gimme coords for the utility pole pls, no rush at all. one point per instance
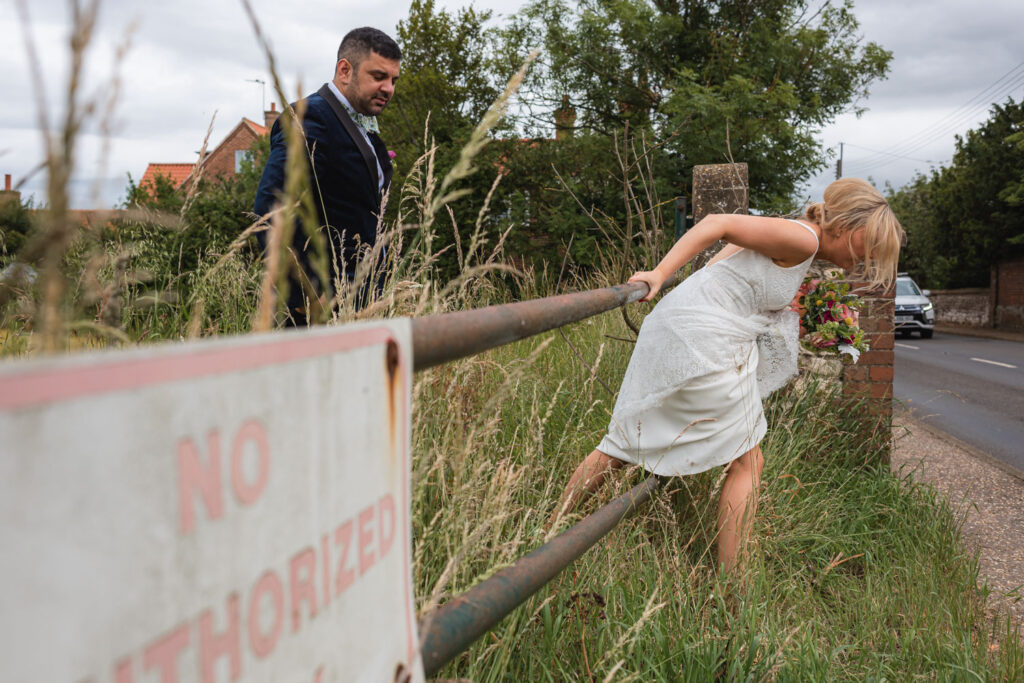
(839, 162)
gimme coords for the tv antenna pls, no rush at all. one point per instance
(263, 92)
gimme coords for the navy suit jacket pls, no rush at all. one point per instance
(344, 179)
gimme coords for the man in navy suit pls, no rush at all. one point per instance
(350, 168)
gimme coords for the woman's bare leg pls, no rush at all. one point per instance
(586, 480)
(737, 507)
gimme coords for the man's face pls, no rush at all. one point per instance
(368, 89)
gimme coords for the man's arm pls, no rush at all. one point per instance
(272, 179)
(315, 145)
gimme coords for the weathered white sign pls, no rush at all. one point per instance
(218, 511)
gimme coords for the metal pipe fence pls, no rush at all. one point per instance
(437, 339)
(452, 628)
(445, 337)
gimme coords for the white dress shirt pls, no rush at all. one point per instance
(366, 136)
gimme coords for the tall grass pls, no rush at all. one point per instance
(852, 573)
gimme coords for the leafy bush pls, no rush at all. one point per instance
(15, 227)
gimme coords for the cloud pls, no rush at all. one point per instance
(192, 58)
(948, 57)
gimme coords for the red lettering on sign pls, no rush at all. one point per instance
(366, 558)
(263, 644)
(192, 476)
(254, 433)
(123, 672)
(302, 571)
(163, 654)
(212, 646)
(325, 560)
(345, 576)
(372, 530)
(196, 480)
(385, 530)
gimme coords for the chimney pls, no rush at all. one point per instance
(270, 116)
(565, 119)
(9, 195)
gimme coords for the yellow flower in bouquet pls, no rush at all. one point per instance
(829, 318)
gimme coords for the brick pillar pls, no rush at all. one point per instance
(565, 119)
(718, 188)
(870, 380)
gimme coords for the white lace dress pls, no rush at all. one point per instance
(705, 357)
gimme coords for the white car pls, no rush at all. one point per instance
(914, 311)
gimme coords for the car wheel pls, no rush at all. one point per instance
(927, 334)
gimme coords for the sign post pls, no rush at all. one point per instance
(218, 511)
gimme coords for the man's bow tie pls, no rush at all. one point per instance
(367, 123)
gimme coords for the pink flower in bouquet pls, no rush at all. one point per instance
(847, 315)
(807, 287)
(829, 320)
(817, 341)
(392, 154)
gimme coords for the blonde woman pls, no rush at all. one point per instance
(723, 339)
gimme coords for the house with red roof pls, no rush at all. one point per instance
(177, 173)
(223, 162)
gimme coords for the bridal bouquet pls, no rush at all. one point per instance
(828, 319)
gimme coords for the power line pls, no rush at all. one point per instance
(969, 109)
(966, 112)
(882, 159)
(888, 154)
(877, 160)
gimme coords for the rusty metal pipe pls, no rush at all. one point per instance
(453, 627)
(444, 337)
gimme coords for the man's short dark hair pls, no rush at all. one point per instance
(358, 43)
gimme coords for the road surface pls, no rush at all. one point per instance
(970, 387)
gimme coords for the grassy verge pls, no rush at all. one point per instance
(853, 574)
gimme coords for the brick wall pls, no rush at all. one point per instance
(1008, 283)
(222, 161)
(1001, 305)
(872, 376)
(962, 307)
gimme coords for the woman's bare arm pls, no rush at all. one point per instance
(725, 252)
(782, 240)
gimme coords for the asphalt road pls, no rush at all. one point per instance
(969, 387)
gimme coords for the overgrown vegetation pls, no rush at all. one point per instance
(853, 573)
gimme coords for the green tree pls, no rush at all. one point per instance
(716, 79)
(1013, 193)
(448, 82)
(210, 217)
(15, 226)
(965, 217)
(446, 75)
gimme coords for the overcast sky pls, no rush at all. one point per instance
(191, 58)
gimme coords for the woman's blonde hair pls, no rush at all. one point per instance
(853, 204)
